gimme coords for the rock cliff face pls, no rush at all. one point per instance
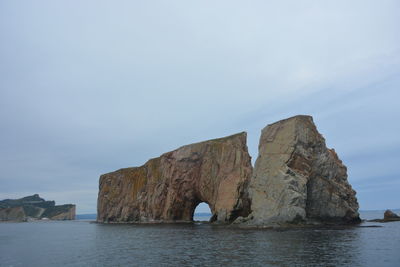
(297, 179)
(60, 212)
(34, 207)
(169, 188)
(15, 214)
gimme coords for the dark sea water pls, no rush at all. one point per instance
(81, 243)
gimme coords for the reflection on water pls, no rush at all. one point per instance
(82, 243)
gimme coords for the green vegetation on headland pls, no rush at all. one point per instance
(34, 208)
(56, 210)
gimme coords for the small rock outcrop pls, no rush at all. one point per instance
(34, 207)
(390, 215)
(168, 188)
(296, 180)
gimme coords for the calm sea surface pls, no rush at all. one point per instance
(81, 243)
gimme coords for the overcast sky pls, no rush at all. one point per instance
(88, 87)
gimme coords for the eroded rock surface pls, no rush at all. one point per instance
(297, 179)
(168, 188)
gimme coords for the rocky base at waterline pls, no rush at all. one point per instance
(388, 216)
(34, 208)
(297, 180)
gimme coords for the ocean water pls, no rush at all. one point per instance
(82, 243)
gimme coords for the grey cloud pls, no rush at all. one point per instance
(89, 87)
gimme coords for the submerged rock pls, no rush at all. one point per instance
(296, 180)
(34, 207)
(168, 188)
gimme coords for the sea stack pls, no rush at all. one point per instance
(297, 180)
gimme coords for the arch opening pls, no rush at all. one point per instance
(202, 212)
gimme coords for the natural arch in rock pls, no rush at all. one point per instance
(296, 179)
(200, 210)
(169, 188)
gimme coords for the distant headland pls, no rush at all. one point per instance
(34, 208)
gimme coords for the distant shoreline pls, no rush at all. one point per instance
(365, 214)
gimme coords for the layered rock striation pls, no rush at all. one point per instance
(296, 180)
(34, 207)
(168, 188)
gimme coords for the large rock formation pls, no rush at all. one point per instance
(34, 207)
(169, 188)
(296, 179)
